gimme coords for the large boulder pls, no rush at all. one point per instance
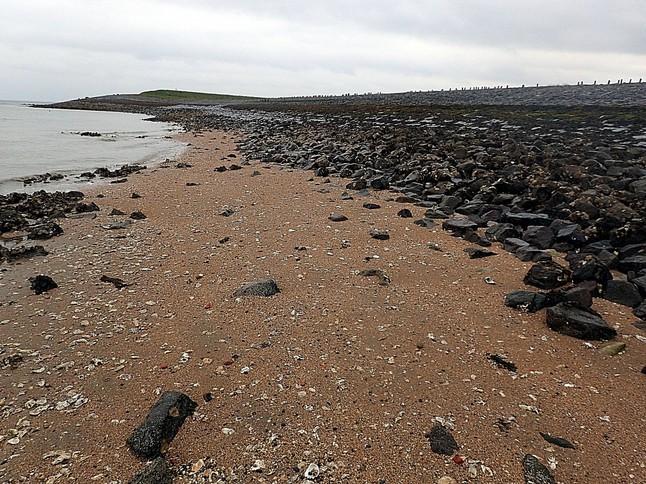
(161, 425)
(579, 323)
(547, 275)
(622, 292)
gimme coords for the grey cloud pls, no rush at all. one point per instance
(71, 47)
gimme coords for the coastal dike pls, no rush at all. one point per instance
(337, 291)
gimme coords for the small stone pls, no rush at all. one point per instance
(405, 213)
(578, 323)
(156, 472)
(137, 215)
(535, 472)
(42, 283)
(261, 288)
(371, 206)
(557, 441)
(379, 234)
(441, 440)
(613, 349)
(337, 217)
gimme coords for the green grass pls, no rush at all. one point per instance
(171, 95)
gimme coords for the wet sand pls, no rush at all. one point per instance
(335, 370)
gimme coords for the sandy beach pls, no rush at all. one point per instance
(336, 370)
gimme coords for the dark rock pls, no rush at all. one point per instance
(135, 195)
(502, 362)
(578, 323)
(379, 234)
(500, 232)
(379, 183)
(82, 207)
(590, 268)
(459, 226)
(155, 472)
(260, 288)
(220, 169)
(371, 206)
(475, 238)
(322, 171)
(477, 253)
(115, 281)
(622, 292)
(11, 220)
(640, 311)
(579, 295)
(137, 215)
(512, 244)
(635, 263)
(21, 252)
(116, 212)
(41, 284)
(527, 253)
(405, 213)
(441, 440)
(526, 301)
(535, 472)
(640, 282)
(44, 231)
(337, 217)
(539, 236)
(557, 441)
(357, 185)
(384, 280)
(234, 167)
(165, 418)
(424, 222)
(525, 219)
(227, 212)
(547, 275)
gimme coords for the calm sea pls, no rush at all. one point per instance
(34, 141)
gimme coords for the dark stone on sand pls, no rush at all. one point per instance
(220, 169)
(42, 283)
(115, 281)
(21, 252)
(459, 226)
(165, 418)
(441, 440)
(383, 278)
(371, 206)
(155, 472)
(137, 215)
(622, 292)
(477, 253)
(528, 253)
(526, 301)
(547, 275)
(640, 311)
(590, 268)
(379, 234)
(405, 213)
(234, 167)
(135, 195)
(44, 231)
(539, 236)
(83, 207)
(425, 222)
(502, 362)
(337, 217)
(635, 263)
(500, 232)
(357, 185)
(512, 244)
(346, 196)
(116, 212)
(535, 471)
(566, 444)
(579, 323)
(183, 164)
(260, 288)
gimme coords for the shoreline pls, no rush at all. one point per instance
(336, 370)
(72, 179)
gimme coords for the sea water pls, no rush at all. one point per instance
(34, 141)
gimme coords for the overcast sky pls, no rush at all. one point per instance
(59, 49)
